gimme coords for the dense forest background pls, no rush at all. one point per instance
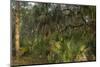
(52, 33)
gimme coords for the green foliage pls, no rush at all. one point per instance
(57, 33)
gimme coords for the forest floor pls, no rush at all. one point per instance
(28, 60)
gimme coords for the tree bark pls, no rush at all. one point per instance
(17, 45)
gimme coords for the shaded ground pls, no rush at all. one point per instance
(28, 60)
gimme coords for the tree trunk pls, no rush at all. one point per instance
(17, 45)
